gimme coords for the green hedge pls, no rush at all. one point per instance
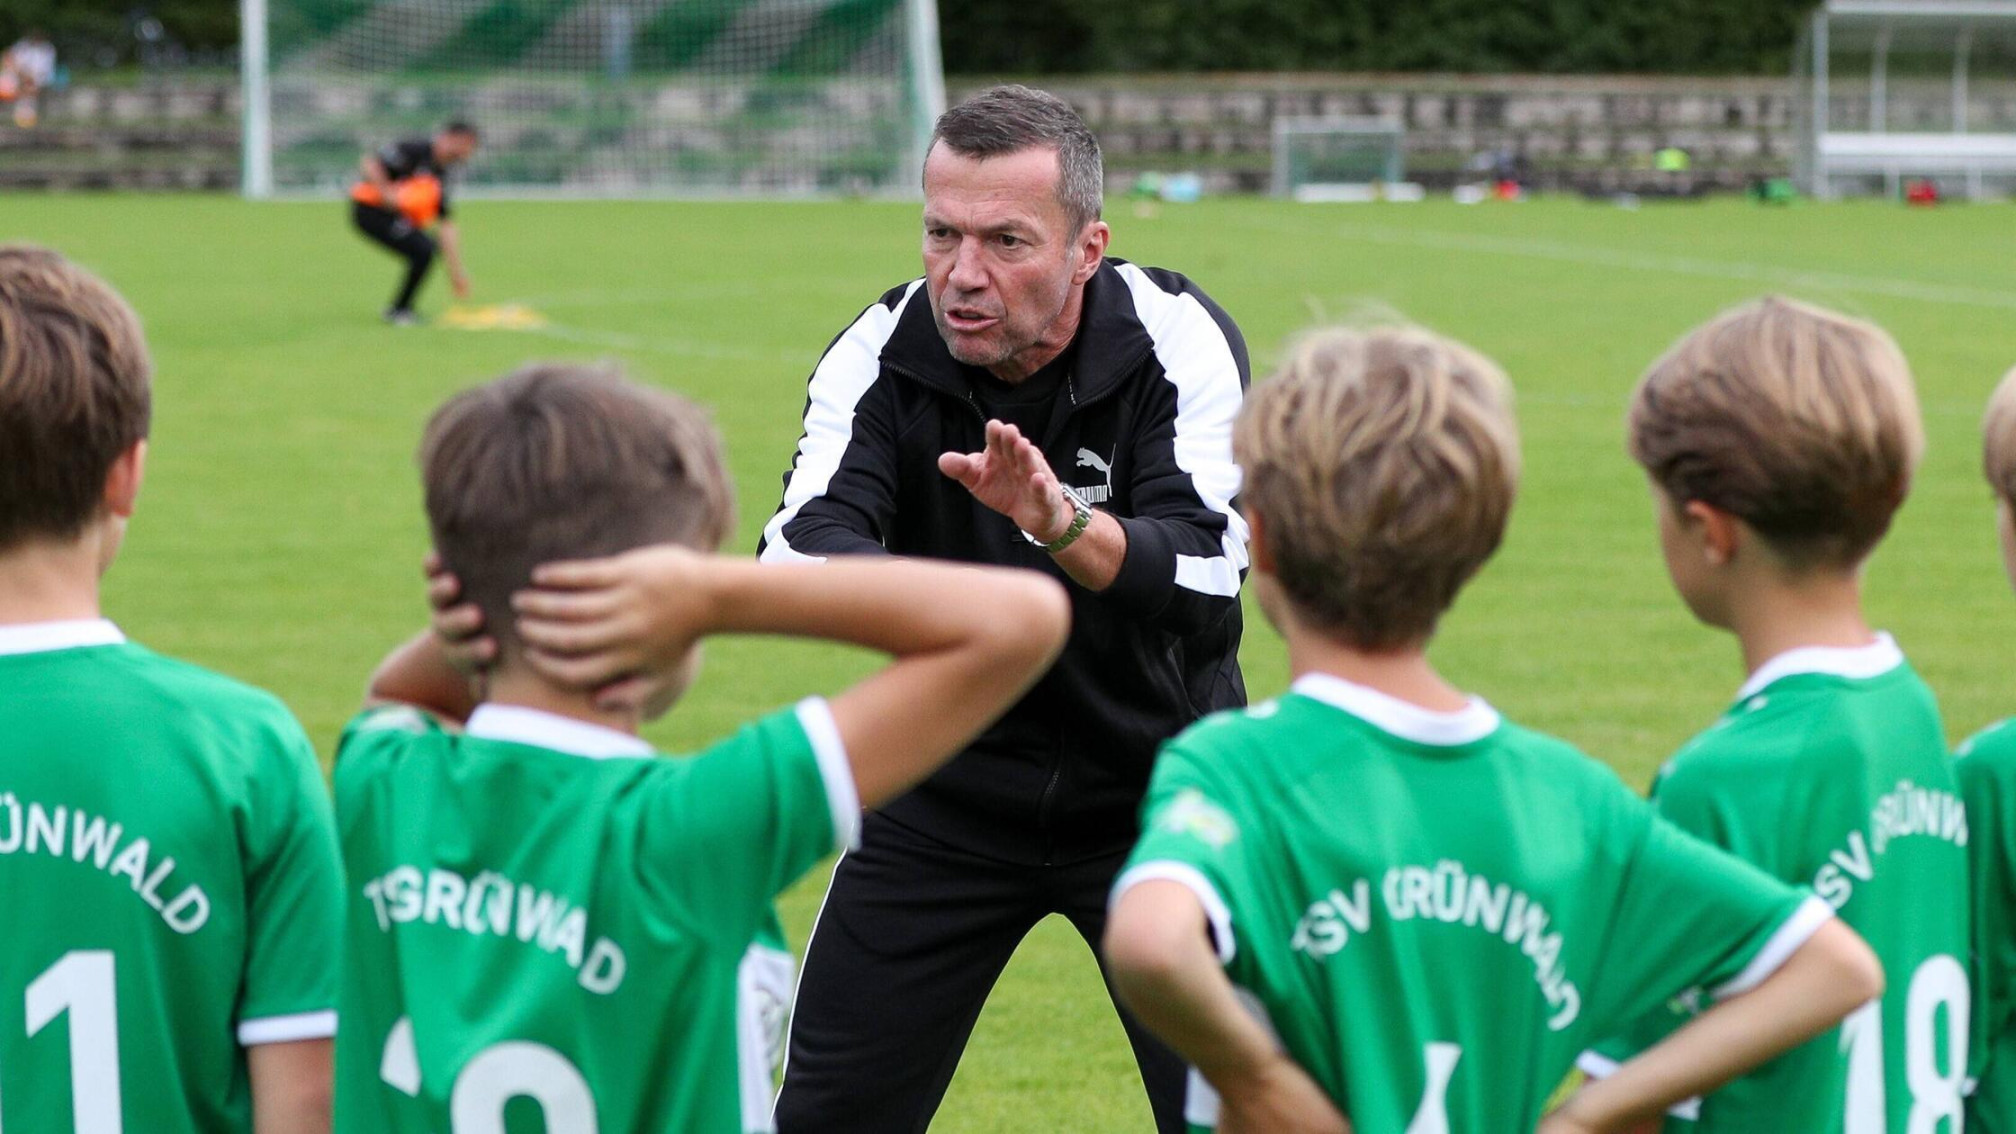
(1592, 36)
(85, 30)
(1079, 36)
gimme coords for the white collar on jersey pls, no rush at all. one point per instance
(541, 729)
(1471, 723)
(71, 634)
(1856, 662)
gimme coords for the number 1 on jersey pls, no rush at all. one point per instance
(1432, 1116)
(80, 983)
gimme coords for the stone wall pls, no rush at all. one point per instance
(163, 134)
(1581, 132)
(1572, 131)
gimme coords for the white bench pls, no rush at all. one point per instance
(1897, 156)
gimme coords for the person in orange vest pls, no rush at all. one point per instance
(403, 191)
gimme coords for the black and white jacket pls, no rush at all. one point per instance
(1143, 430)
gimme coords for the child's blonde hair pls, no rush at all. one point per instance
(1998, 449)
(1799, 421)
(1382, 464)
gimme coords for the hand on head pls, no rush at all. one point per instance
(574, 632)
(608, 624)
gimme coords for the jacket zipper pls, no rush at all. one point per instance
(1048, 799)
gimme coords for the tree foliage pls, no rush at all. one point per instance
(1048, 37)
(1588, 36)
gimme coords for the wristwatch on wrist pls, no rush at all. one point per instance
(1081, 518)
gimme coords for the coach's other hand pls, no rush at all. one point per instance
(1011, 476)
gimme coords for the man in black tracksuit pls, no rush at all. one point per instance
(948, 421)
(375, 210)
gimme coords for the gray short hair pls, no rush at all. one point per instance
(1011, 118)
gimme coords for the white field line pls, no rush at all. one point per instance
(1597, 256)
(643, 297)
(684, 348)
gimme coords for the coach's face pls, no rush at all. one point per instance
(1003, 263)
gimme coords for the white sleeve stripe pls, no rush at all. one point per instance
(286, 1029)
(1193, 880)
(846, 372)
(778, 551)
(1596, 1066)
(1197, 359)
(1201, 1104)
(1216, 576)
(1802, 925)
(815, 716)
(1602, 1067)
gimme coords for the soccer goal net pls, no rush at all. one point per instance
(603, 98)
(1339, 159)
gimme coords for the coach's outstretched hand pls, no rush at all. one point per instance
(1012, 477)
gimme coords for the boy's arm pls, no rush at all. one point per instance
(418, 672)
(291, 1086)
(1832, 973)
(967, 641)
(1166, 970)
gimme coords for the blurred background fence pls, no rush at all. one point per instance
(1582, 93)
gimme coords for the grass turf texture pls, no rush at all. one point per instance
(280, 533)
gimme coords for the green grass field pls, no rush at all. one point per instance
(280, 534)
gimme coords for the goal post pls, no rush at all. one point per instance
(1334, 158)
(598, 98)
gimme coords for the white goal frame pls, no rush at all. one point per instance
(924, 81)
(1288, 129)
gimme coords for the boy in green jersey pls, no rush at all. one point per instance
(1374, 897)
(1780, 439)
(548, 921)
(1987, 773)
(168, 859)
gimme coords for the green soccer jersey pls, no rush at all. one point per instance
(553, 928)
(169, 872)
(1831, 771)
(1435, 912)
(1987, 772)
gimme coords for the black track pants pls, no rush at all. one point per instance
(397, 234)
(909, 942)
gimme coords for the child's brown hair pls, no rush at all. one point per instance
(563, 461)
(74, 392)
